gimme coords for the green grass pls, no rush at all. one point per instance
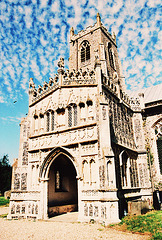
(148, 223)
(3, 201)
(3, 215)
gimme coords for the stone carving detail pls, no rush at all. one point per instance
(120, 123)
(33, 208)
(61, 138)
(18, 208)
(90, 193)
(17, 181)
(13, 209)
(103, 212)
(23, 181)
(102, 176)
(104, 112)
(23, 209)
(25, 154)
(88, 149)
(29, 209)
(85, 210)
(90, 210)
(95, 211)
(36, 209)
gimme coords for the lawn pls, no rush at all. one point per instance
(150, 223)
(4, 202)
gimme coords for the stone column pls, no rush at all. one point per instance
(44, 199)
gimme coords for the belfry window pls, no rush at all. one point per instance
(85, 51)
(111, 56)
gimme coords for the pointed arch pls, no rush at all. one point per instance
(44, 169)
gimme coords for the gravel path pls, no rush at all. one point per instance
(60, 228)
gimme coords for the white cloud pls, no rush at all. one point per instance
(43, 3)
(55, 6)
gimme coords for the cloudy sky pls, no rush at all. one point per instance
(35, 33)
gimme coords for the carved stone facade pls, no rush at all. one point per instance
(82, 144)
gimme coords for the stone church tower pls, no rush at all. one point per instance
(82, 144)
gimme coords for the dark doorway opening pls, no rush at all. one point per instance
(62, 187)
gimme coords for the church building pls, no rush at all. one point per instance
(82, 144)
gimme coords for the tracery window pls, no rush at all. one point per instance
(133, 173)
(158, 133)
(111, 56)
(124, 169)
(48, 122)
(52, 120)
(75, 115)
(72, 115)
(85, 51)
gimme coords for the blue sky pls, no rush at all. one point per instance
(35, 33)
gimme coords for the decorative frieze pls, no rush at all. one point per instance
(73, 136)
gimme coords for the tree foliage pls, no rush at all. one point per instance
(5, 174)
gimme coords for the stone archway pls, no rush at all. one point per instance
(59, 183)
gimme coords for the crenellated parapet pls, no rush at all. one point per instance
(73, 78)
(42, 91)
(79, 77)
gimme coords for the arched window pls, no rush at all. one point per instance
(92, 171)
(85, 51)
(111, 56)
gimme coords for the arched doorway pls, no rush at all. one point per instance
(62, 186)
